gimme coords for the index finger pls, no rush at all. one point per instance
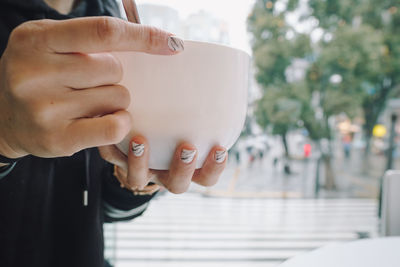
(105, 34)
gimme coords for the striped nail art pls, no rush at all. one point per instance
(175, 43)
(137, 149)
(187, 155)
(220, 156)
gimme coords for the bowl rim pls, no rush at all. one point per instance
(217, 45)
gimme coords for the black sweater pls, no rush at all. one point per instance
(43, 221)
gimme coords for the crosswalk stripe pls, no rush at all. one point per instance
(210, 228)
(234, 236)
(167, 246)
(220, 244)
(163, 263)
(272, 222)
(191, 230)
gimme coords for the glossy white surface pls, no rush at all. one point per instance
(199, 96)
(382, 252)
(390, 204)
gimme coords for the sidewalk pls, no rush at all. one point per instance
(263, 179)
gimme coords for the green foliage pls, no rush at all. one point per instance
(281, 105)
(279, 108)
(364, 50)
(273, 51)
(360, 45)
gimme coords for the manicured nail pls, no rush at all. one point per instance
(137, 149)
(187, 155)
(220, 156)
(176, 44)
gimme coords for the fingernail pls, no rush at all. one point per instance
(137, 149)
(134, 188)
(122, 185)
(187, 155)
(175, 44)
(220, 156)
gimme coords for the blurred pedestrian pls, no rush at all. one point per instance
(346, 141)
(237, 156)
(275, 162)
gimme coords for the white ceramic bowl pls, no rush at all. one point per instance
(198, 96)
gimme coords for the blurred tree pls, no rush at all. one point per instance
(289, 102)
(354, 67)
(361, 43)
(280, 110)
(275, 45)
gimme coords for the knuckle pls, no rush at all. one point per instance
(20, 80)
(107, 30)
(114, 133)
(32, 33)
(21, 34)
(124, 96)
(15, 83)
(42, 114)
(114, 66)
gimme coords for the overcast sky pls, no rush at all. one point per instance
(234, 12)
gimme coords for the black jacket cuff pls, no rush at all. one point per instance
(8, 160)
(120, 198)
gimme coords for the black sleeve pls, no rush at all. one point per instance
(119, 203)
(5, 170)
(8, 160)
(10, 18)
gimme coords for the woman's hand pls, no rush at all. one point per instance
(59, 94)
(133, 172)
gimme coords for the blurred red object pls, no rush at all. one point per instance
(307, 150)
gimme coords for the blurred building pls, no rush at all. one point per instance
(163, 17)
(202, 26)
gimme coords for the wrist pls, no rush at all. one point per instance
(7, 156)
(7, 152)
